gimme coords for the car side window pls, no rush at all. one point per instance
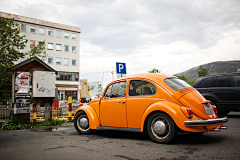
(204, 83)
(140, 87)
(116, 90)
(213, 83)
(236, 81)
(223, 82)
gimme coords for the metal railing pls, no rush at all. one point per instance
(5, 113)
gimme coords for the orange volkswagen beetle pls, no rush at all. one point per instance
(162, 105)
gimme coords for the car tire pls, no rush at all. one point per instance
(223, 113)
(81, 123)
(161, 128)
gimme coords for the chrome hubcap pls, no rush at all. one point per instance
(159, 127)
(83, 123)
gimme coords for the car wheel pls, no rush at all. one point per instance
(81, 123)
(223, 113)
(161, 128)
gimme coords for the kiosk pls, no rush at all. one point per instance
(33, 82)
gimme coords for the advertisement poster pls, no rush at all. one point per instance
(23, 83)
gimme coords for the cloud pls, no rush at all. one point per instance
(170, 35)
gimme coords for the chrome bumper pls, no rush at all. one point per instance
(209, 122)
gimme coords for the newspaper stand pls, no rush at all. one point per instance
(33, 81)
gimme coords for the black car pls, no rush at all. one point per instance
(223, 90)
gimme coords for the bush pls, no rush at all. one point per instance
(13, 124)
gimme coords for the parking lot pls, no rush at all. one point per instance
(63, 142)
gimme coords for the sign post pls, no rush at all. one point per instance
(121, 68)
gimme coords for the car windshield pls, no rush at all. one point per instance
(177, 84)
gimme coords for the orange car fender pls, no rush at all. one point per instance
(170, 108)
(92, 115)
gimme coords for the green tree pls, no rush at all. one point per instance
(11, 44)
(202, 72)
(38, 50)
(186, 80)
(154, 70)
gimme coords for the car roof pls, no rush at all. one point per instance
(152, 76)
(198, 80)
(222, 74)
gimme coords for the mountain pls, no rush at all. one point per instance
(214, 68)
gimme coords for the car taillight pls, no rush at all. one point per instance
(190, 112)
(215, 109)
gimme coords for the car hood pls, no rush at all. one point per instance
(191, 98)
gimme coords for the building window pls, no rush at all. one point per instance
(74, 36)
(32, 29)
(59, 34)
(66, 48)
(73, 94)
(58, 60)
(41, 31)
(23, 27)
(66, 35)
(74, 62)
(41, 43)
(66, 61)
(50, 32)
(50, 46)
(58, 47)
(32, 43)
(57, 77)
(67, 76)
(74, 49)
(50, 60)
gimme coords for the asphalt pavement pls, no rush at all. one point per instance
(63, 142)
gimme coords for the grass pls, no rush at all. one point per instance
(13, 124)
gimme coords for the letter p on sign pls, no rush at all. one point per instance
(121, 68)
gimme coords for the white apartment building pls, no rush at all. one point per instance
(95, 88)
(62, 46)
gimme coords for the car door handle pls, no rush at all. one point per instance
(237, 90)
(209, 90)
(122, 102)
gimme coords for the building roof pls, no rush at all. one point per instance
(82, 80)
(40, 22)
(30, 64)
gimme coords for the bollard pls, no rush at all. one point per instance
(73, 103)
(70, 108)
(65, 103)
(7, 105)
(34, 113)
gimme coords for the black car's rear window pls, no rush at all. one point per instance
(205, 82)
(177, 84)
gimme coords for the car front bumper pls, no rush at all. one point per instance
(209, 122)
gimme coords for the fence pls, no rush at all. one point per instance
(5, 113)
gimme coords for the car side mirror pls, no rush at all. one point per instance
(98, 96)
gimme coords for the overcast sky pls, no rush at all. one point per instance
(172, 36)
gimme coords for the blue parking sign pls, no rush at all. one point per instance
(121, 68)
